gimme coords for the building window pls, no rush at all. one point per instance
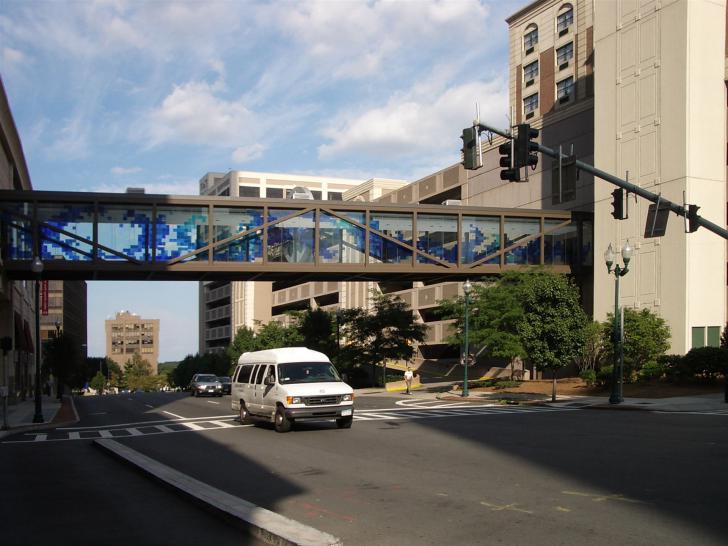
(530, 105)
(530, 39)
(248, 191)
(335, 196)
(530, 71)
(564, 89)
(713, 336)
(564, 54)
(316, 194)
(564, 20)
(274, 193)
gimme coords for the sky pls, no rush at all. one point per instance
(115, 93)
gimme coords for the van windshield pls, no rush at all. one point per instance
(307, 372)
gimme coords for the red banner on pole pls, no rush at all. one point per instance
(44, 297)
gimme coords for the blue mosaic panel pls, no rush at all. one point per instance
(340, 241)
(229, 221)
(480, 238)
(291, 241)
(560, 246)
(437, 235)
(396, 226)
(517, 229)
(77, 221)
(181, 230)
(18, 231)
(125, 229)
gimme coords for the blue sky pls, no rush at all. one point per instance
(116, 93)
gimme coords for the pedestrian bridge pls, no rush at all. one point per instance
(103, 236)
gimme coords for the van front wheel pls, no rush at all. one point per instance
(282, 423)
(244, 415)
(344, 422)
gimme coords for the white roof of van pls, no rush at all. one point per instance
(286, 354)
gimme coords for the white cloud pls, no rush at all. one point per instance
(72, 140)
(13, 57)
(125, 170)
(248, 153)
(172, 187)
(424, 122)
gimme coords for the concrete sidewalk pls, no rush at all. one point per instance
(20, 415)
(714, 402)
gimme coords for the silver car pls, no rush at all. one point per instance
(205, 383)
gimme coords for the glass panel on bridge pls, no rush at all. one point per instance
(394, 225)
(291, 241)
(125, 229)
(340, 241)
(437, 235)
(181, 230)
(561, 245)
(77, 221)
(230, 221)
(517, 229)
(18, 228)
(481, 238)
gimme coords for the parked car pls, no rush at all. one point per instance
(285, 385)
(225, 382)
(205, 383)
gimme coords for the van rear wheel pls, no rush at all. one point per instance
(282, 422)
(244, 414)
(344, 422)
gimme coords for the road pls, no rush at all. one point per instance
(412, 470)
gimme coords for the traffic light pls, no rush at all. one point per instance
(508, 162)
(618, 204)
(693, 218)
(526, 148)
(470, 151)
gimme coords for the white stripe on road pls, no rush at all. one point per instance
(74, 435)
(147, 405)
(163, 428)
(173, 414)
(106, 434)
(193, 426)
(211, 402)
(222, 424)
(228, 416)
(134, 432)
(40, 437)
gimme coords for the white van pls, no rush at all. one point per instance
(283, 385)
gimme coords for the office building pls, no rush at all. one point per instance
(128, 334)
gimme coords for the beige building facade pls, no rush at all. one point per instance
(128, 334)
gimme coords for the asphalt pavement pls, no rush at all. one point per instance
(412, 470)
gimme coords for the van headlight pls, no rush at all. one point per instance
(347, 398)
(293, 400)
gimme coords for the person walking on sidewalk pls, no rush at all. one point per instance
(408, 375)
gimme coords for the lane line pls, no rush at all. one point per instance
(228, 416)
(40, 437)
(222, 424)
(106, 434)
(173, 414)
(193, 426)
(211, 402)
(147, 405)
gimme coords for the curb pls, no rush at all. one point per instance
(263, 524)
(44, 425)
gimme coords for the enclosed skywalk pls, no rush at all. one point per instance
(102, 236)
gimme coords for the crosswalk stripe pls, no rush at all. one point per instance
(164, 429)
(40, 437)
(106, 434)
(74, 435)
(222, 424)
(134, 431)
(193, 426)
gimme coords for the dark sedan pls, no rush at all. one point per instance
(226, 383)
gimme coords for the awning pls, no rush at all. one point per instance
(28, 338)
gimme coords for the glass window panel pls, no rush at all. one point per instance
(530, 71)
(394, 225)
(560, 246)
(517, 229)
(181, 230)
(713, 336)
(18, 230)
(74, 219)
(698, 337)
(530, 39)
(481, 238)
(565, 88)
(291, 241)
(248, 191)
(230, 221)
(276, 193)
(565, 53)
(565, 20)
(335, 196)
(125, 229)
(530, 104)
(437, 235)
(341, 241)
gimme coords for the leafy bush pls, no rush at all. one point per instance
(604, 375)
(706, 362)
(674, 367)
(506, 384)
(589, 376)
(651, 370)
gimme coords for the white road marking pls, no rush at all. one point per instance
(193, 426)
(134, 431)
(144, 423)
(99, 413)
(173, 414)
(163, 428)
(211, 402)
(222, 424)
(40, 437)
(74, 435)
(106, 434)
(147, 405)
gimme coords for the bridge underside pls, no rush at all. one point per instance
(95, 236)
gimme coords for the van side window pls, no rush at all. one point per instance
(261, 374)
(244, 374)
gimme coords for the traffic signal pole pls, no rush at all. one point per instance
(689, 211)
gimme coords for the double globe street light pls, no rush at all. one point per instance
(618, 332)
(37, 268)
(467, 288)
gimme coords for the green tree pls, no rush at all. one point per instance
(136, 372)
(317, 330)
(646, 337)
(243, 342)
(388, 332)
(98, 382)
(724, 338)
(217, 363)
(275, 335)
(591, 352)
(496, 311)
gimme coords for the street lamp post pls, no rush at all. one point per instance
(467, 288)
(619, 272)
(37, 268)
